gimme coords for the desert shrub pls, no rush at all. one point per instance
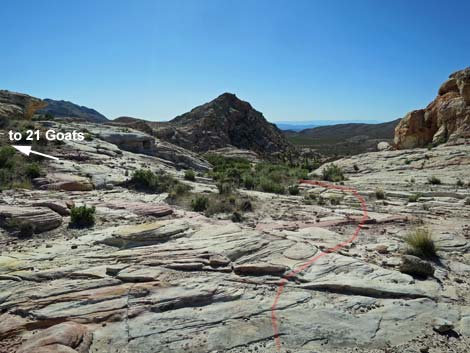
(248, 181)
(25, 230)
(293, 189)
(412, 180)
(20, 228)
(82, 216)
(219, 205)
(88, 137)
(268, 185)
(332, 173)
(16, 171)
(190, 175)
(179, 189)
(414, 197)
(356, 168)
(407, 161)
(225, 188)
(335, 200)
(321, 201)
(200, 203)
(434, 180)
(246, 206)
(33, 170)
(148, 181)
(467, 201)
(460, 183)
(420, 243)
(380, 194)
(265, 176)
(237, 217)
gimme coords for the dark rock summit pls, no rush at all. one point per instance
(225, 121)
(64, 109)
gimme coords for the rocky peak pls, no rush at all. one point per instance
(446, 118)
(226, 121)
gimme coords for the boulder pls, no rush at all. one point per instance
(142, 208)
(415, 266)
(132, 140)
(260, 269)
(60, 207)
(145, 234)
(65, 182)
(67, 337)
(383, 146)
(41, 219)
(218, 260)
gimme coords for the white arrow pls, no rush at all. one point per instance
(27, 151)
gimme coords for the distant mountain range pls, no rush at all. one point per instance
(344, 139)
(302, 125)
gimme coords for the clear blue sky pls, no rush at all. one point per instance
(293, 60)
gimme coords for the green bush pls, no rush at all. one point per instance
(16, 171)
(335, 200)
(237, 217)
(434, 180)
(332, 173)
(414, 197)
(33, 170)
(20, 228)
(200, 203)
(380, 194)
(248, 181)
(321, 201)
(190, 175)
(420, 243)
(148, 181)
(82, 217)
(265, 176)
(460, 183)
(179, 189)
(293, 189)
(467, 201)
(246, 206)
(268, 185)
(225, 188)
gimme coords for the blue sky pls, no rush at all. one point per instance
(293, 60)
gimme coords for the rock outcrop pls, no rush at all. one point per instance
(447, 118)
(132, 141)
(224, 122)
(18, 105)
(40, 219)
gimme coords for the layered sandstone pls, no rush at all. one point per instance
(446, 118)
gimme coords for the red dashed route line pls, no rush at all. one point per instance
(304, 266)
